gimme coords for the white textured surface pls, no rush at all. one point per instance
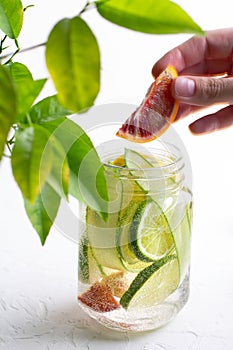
(38, 308)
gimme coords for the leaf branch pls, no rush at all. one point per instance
(87, 7)
(30, 48)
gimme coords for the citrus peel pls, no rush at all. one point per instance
(156, 112)
(99, 298)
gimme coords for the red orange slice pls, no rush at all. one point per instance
(99, 297)
(156, 112)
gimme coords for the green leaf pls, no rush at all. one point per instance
(27, 89)
(32, 159)
(87, 178)
(11, 17)
(58, 178)
(148, 16)
(43, 211)
(19, 71)
(48, 109)
(8, 107)
(73, 60)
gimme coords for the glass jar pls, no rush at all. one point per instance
(133, 268)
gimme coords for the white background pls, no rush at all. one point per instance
(38, 308)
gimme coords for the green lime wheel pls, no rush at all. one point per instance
(150, 234)
(153, 284)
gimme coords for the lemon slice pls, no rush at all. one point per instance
(150, 234)
(153, 284)
(119, 161)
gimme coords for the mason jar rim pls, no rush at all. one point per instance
(174, 159)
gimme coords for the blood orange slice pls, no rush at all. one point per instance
(99, 297)
(156, 112)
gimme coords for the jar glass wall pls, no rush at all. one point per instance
(133, 268)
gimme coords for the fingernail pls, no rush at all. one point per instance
(184, 87)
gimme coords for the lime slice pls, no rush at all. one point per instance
(123, 237)
(137, 165)
(153, 284)
(150, 233)
(181, 227)
(151, 177)
(128, 258)
(83, 260)
(89, 270)
(106, 247)
(102, 236)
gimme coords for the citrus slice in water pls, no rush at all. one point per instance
(89, 270)
(150, 234)
(156, 112)
(153, 284)
(118, 282)
(83, 260)
(123, 242)
(137, 163)
(99, 298)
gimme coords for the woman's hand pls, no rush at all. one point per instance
(204, 65)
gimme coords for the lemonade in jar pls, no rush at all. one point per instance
(133, 266)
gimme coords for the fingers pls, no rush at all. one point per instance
(186, 110)
(186, 55)
(213, 122)
(197, 61)
(203, 91)
(209, 54)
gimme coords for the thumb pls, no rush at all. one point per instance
(203, 91)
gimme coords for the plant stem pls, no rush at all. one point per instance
(12, 140)
(1, 43)
(6, 155)
(9, 148)
(29, 120)
(27, 7)
(12, 54)
(88, 6)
